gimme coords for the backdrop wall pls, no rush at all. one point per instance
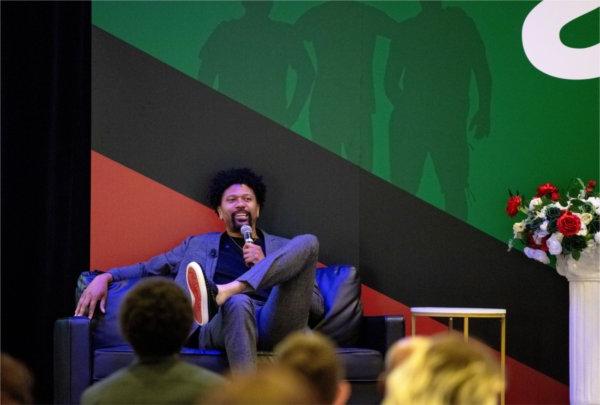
(358, 115)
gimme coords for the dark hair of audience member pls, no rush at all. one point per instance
(155, 317)
(313, 355)
(271, 384)
(17, 381)
(226, 178)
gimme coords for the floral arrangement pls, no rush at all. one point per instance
(556, 223)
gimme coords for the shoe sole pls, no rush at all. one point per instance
(197, 287)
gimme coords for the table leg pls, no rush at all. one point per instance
(413, 324)
(466, 329)
(450, 323)
(503, 356)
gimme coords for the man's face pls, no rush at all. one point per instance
(238, 207)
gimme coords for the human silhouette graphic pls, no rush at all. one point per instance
(427, 80)
(343, 35)
(248, 58)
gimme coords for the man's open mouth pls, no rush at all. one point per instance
(241, 217)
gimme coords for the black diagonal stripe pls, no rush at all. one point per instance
(177, 131)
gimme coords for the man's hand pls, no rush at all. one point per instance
(252, 253)
(95, 291)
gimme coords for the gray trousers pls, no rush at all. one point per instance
(243, 324)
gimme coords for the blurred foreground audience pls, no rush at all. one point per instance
(313, 355)
(441, 370)
(17, 382)
(155, 318)
(269, 385)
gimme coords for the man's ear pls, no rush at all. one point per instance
(220, 213)
(257, 211)
(342, 395)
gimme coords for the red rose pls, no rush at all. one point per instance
(555, 196)
(513, 204)
(545, 189)
(531, 243)
(590, 186)
(568, 224)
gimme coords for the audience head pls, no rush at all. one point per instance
(17, 381)
(402, 349)
(313, 355)
(156, 317)
(270, 385)
(227, 178)
(446, 370)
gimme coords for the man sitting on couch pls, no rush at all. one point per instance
(247, 291)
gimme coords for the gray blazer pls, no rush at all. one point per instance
(202, 249)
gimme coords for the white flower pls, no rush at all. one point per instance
(554, 243)
(534, 203)
(586, 217)
(595, 201)
(536, 254)
(539, 235)
(519, 226)
(597, 237)
(562, 207)
(582, 224)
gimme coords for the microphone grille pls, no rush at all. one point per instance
(246, 229)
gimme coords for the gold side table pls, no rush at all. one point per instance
(466, 314)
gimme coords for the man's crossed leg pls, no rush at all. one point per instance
(242, 324)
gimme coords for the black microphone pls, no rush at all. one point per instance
(247, 233)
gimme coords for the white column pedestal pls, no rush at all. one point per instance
(584, 325)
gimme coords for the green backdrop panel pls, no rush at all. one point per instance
(393, 87)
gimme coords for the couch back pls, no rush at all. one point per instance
(339, 284)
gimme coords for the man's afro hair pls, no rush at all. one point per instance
(226, 178)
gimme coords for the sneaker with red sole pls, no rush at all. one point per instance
(203, 293)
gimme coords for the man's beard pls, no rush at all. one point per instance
(237, 227)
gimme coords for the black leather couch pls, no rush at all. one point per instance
(86, 351)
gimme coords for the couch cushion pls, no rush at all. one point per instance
(340, 286)
(360, 364)
(363, 365)
(106, 326)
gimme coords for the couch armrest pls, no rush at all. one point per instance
(72, 359)
(380, 332)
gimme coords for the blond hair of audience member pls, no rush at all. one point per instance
(444, 371)
(313, 355)
(269, 385)
(398, 353)
(17, 381)
(402, 349)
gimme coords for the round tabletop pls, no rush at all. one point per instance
(457, 311)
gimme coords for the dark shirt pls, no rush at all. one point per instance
(231, 265)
